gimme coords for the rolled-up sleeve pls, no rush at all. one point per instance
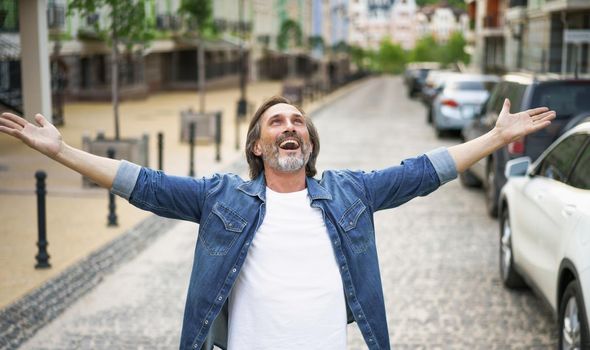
(443, 164)
(125, 179)
(174, 197)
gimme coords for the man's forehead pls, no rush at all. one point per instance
(280, 109)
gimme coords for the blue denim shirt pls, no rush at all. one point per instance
(230, 210)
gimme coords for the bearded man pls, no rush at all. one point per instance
(283, 261)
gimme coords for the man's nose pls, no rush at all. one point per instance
(290, 126)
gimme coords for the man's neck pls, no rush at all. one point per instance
(285, 182)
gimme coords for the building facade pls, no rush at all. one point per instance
(532, 35)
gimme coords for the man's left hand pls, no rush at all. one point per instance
(511, 127)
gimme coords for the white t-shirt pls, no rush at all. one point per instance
(289, 293)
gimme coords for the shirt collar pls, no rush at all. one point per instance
(257, 187)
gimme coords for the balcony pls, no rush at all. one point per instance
(493, 25)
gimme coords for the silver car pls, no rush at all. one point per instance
(460, 100)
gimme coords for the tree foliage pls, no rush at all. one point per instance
(290, 35)
(199, 12)
(127, 20)
(391, 57)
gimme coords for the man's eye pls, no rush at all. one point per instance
(275, 122)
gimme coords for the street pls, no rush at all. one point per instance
(438, 254)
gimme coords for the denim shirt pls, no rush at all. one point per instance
(230, 210)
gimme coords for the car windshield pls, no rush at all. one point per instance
(567, 98)
(472, 85)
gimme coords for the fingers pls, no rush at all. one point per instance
(547, 115)
(536, 111)
(506, 106)
(14, 118)
(40, 119)
(10, 124)
(12, 132)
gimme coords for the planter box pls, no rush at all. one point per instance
(205, 127)
(135, 150)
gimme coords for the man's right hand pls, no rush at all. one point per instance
(44, 138)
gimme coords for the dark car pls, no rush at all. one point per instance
(569, 98)
(415, 76)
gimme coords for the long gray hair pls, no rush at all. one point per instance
(255, 162)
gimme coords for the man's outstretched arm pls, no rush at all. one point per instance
(46, 139)
(509, 127)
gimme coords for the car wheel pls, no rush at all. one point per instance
(491, 190)
(573, 322)
(468, 179)
(510, 277)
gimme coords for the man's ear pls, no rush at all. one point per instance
(257, 150)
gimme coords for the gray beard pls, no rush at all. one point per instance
(288, 163)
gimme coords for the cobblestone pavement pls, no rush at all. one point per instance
(438, 255)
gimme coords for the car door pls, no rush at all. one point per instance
(545, 220)
(579, 210)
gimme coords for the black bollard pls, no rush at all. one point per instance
(160, 150)
(42, 256)
(218, 136)
(191, 138)
(112, 218)
(242, 109)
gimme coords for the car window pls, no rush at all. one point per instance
(558, 163)
(514, 93)
(566, 98)
(472, 85)
(580, 177)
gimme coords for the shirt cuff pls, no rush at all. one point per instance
(125, 179)
(443, 163)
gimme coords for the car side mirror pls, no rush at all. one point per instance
(517, 167)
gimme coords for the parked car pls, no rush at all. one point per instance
(415, 76)
(434, 84)
(461, 98)
(545, 231)
(569, 98)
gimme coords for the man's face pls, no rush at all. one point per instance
(284, 143)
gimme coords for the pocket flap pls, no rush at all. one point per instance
(351, 215)
(231, 220)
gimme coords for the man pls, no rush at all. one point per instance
(283, 261)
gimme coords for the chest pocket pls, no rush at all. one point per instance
(357, 227)
(221, 229)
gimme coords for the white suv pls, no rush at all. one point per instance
(545, 231)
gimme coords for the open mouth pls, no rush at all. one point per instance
(289, 144)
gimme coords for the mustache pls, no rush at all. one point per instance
(291, 135)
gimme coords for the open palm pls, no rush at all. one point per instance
(44, 138)
(517, 125)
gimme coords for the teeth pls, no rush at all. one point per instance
(286, 142)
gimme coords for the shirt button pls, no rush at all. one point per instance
(343, 267)
(230, 224)
(195, 346)
(370, 340)
(351, 293)
(234, 270)
(247, 242)
(350, 223)
(360, 316)
(219, 298)
(206, 322)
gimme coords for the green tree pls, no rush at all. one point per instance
(454, 50)
(392, 57)
(426, 50)
(290, 36)
(199, 13)
(127, 26)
